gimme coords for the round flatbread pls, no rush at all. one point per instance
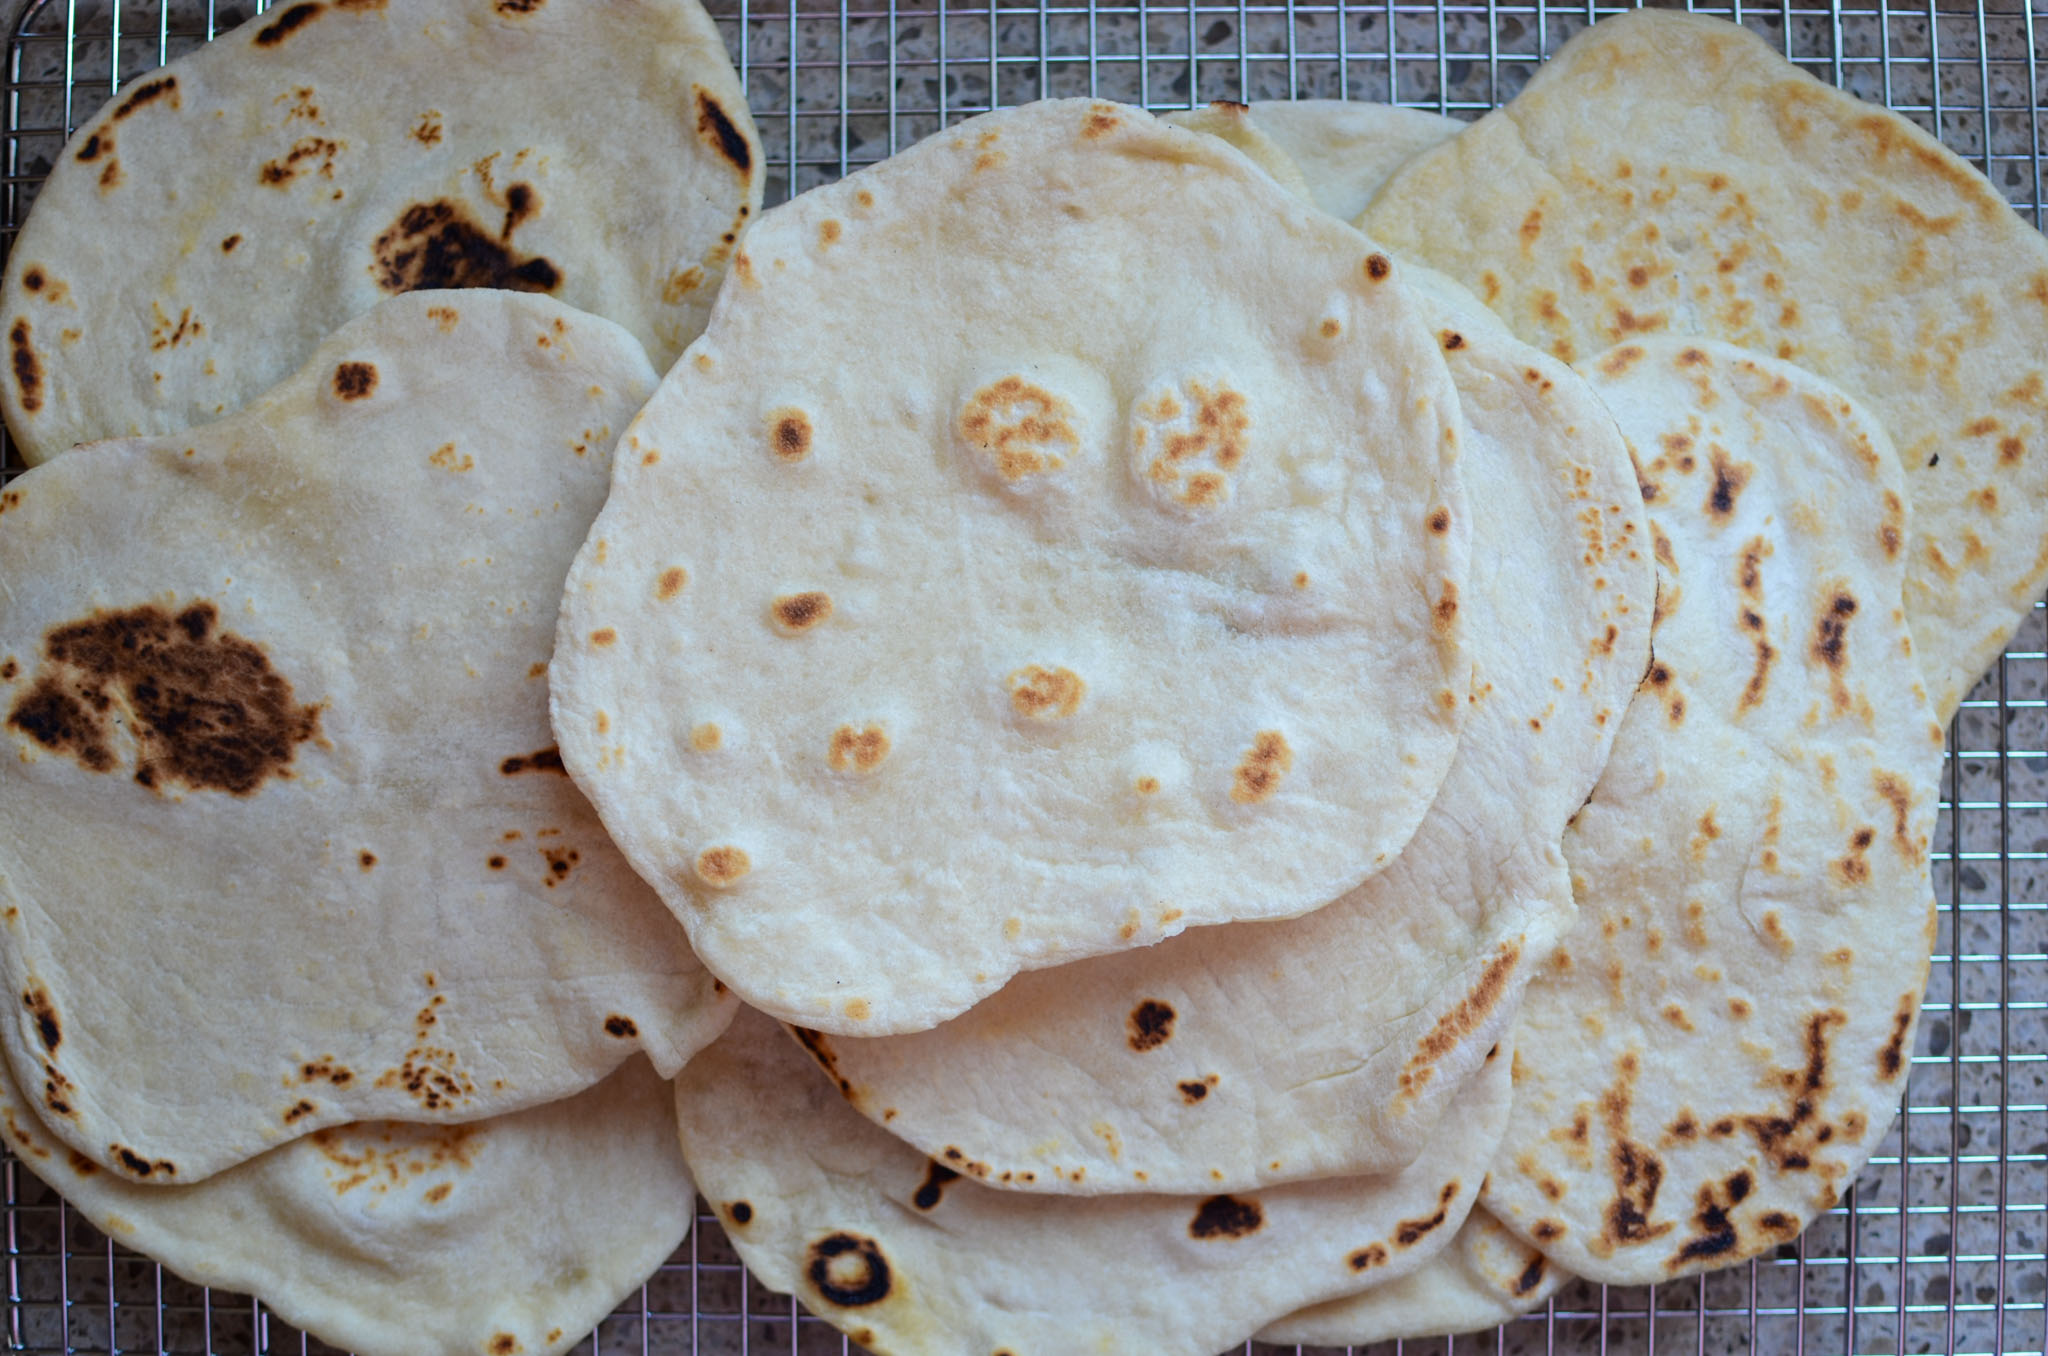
(1671, 174)
(1172, 1068)
(1087, 608)
(287, 840)
(222, 215)
(1341, 150)
(513, 1234)
(1714, 1050)
(893, 1249)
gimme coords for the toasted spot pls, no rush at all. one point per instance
(1891, 1058)
(1019, 429)
(1532, 227)
(1150, 1025)
(548, 759)
(1099, 123)
(798, 612)
(706, 737)
(718, 132)
(204, 707)
(37, 1000)
(936, 1176)
(857, 750)
(1451, 340)
(1368, 1257)
(1729, 479)
(1465, 1018)
(739, 1212)
(1377, 266)
(791, 436)
(622, 1027)
(1445, 612)
(366, 860)
(1621, 360)
(504, 1344)
(138, 1166)
(670, 582)
(1042, 694)
(1226, 1217)
(354, 381)
(848, 1270)
(720, 867)
(439, 244)
(1259, 773)
(288, 23)
(28, 369)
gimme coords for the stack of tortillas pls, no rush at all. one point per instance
(1238, 773)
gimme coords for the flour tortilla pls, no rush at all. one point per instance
(1485, 1278)
(223, 214)
(1715, 1048)
(315, 861)
(1340, 151)
(1229, 1058)
(514, 1234)
(889, 1247)
(1088, 607)
(1670, 174)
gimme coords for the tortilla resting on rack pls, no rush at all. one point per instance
(1086, 607)
(1670, 174)
(1342, 149)
(515, 1234)
(222, 215)
(894, 1249)
(1485, 1278)
(1715, 1048)
(286, 840)
(1228, 1058)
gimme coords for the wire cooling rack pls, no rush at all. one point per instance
(1939, 1246)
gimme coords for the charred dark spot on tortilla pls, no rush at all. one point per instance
(37, 1001)
(1638, 1172)
(821, 1051)
(298, 1111)
(366, 860)
(204, 707)
(561, 861)
(82, 1165)
(739, 1212)
(288, 23)
(1531, 1275)
(149, 92)
(1367, 1257)
(1715, 1232)
(520, 203)
(1150, 1025)
(227, 246)
(518, 6)
(1409, 1232)
(503, 1344)
(1377, 266)
(1440, 521)
(622, 1027)
(1193, 1090)
(439, 244)
(1892, 1057)
(1729, 478)
(1831, 634)
(548, 759)
(719, 133)
(90, 151)
(849, 1271)
(354, 381)
(936, 1175)
(1791, 1138)
(1226, 1217)
(1547, 1230)
(28, 369)
(496, 863)
(137, 1165)
(33, 280)
(1453, 340)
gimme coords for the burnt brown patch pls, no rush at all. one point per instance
(95, 145)
(1729, 479)
(1532, 1275)
(1193, 1090)
(739, 1212)
(1715, 1233)
(719, 133)
(792, 436)
(518, 6)
(204, 707)
(1458, 1025)
(228, 245)
(1638, 1172)
(1831, 646)
(1226, 1217)
(439, 244)
(288, 23)
(1547, 1230)
(548, 759)
(1150, 1025)
(503, 1344)
(801, 611)
(138, 1166)
(848, 1270)
(164, 87)
(1264, 764)
(355, 381)
(622, 1027)
(28, 369)
(1891, 1057)
(298, 1111)
(929, 1193)
(37, 1000)
(1790, 1138)
(821, 1050)
(82, 1165)
(1440, 521)
(366, 860)
(1377, 266)
(1368, 1257)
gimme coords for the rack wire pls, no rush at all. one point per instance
(1938, 1246)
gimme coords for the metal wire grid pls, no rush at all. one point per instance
(1939, 1245)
